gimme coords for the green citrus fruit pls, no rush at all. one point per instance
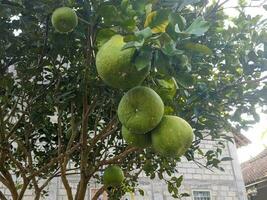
(115, 67)
(172, 137)
(137, 140)
(140, 110)
(64, 19)
(113, 176)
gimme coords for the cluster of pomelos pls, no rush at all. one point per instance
(141, 109)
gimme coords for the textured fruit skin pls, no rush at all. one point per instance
(113, 176)
(172, 137)
(140, 110)
(114, 65)
(136, 140)
(64, 19)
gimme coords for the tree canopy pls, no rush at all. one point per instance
(208, 68)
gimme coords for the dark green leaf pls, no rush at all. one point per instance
(143, 59)
(226, 159)
(186, 3)
(104, 35)
(199, 48)
(198, 27)
(144, 34)
(141, 192)
(169, 49)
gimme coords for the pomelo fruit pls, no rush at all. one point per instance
(172, 137)
(137, 140)
(140, 110)
(115, 66)
(113, 176)
(64, 19)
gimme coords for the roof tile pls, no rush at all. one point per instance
(255, 169)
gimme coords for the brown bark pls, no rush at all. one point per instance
(62, 160)
(10, 183)
(98, 193)
(23, 189)
(66, 183)
(81, 190)
(2, 196)
(82, 187)
(37, 195)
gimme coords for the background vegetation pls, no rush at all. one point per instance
(207, 67)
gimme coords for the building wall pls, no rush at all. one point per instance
(227, 185)
(261, 191)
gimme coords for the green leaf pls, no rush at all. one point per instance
(109, 13)
(177, 19)
(103, 36)
(184, 79)
(139, 6)
(169, 49)
(143, 59)
(160, 176)
(226, 159)
(168, 110)
(141, 192)
(157, 21)
(186, 3)
(144, 34)
(176, 25)
(185, 195)
(199, 48)
(179, 181)
(170, 187)
(133, 44)
(198, 27)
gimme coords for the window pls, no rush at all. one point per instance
(201, 195)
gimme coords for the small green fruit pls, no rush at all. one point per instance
(140, 110)
(113, 176)
(172, 137)
(64, 19)
(115, 66)
(137, 140)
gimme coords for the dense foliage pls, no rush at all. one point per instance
(54, 109)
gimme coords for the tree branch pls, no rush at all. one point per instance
(119, 157)
(98, 193)
(55, 160)
(242, 82)
(11, 185)
(2, 196)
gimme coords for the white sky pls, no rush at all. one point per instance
(254, 134)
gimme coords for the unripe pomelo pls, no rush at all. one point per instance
(172, 137)
(137, 140)
(64, 19)
(115, 66)
(113, 176)
(140, 110)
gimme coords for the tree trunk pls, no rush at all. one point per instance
(10, 184)
(2, 196)
(81, 191)
(37, 195)
(23, 189)
(67, 186)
